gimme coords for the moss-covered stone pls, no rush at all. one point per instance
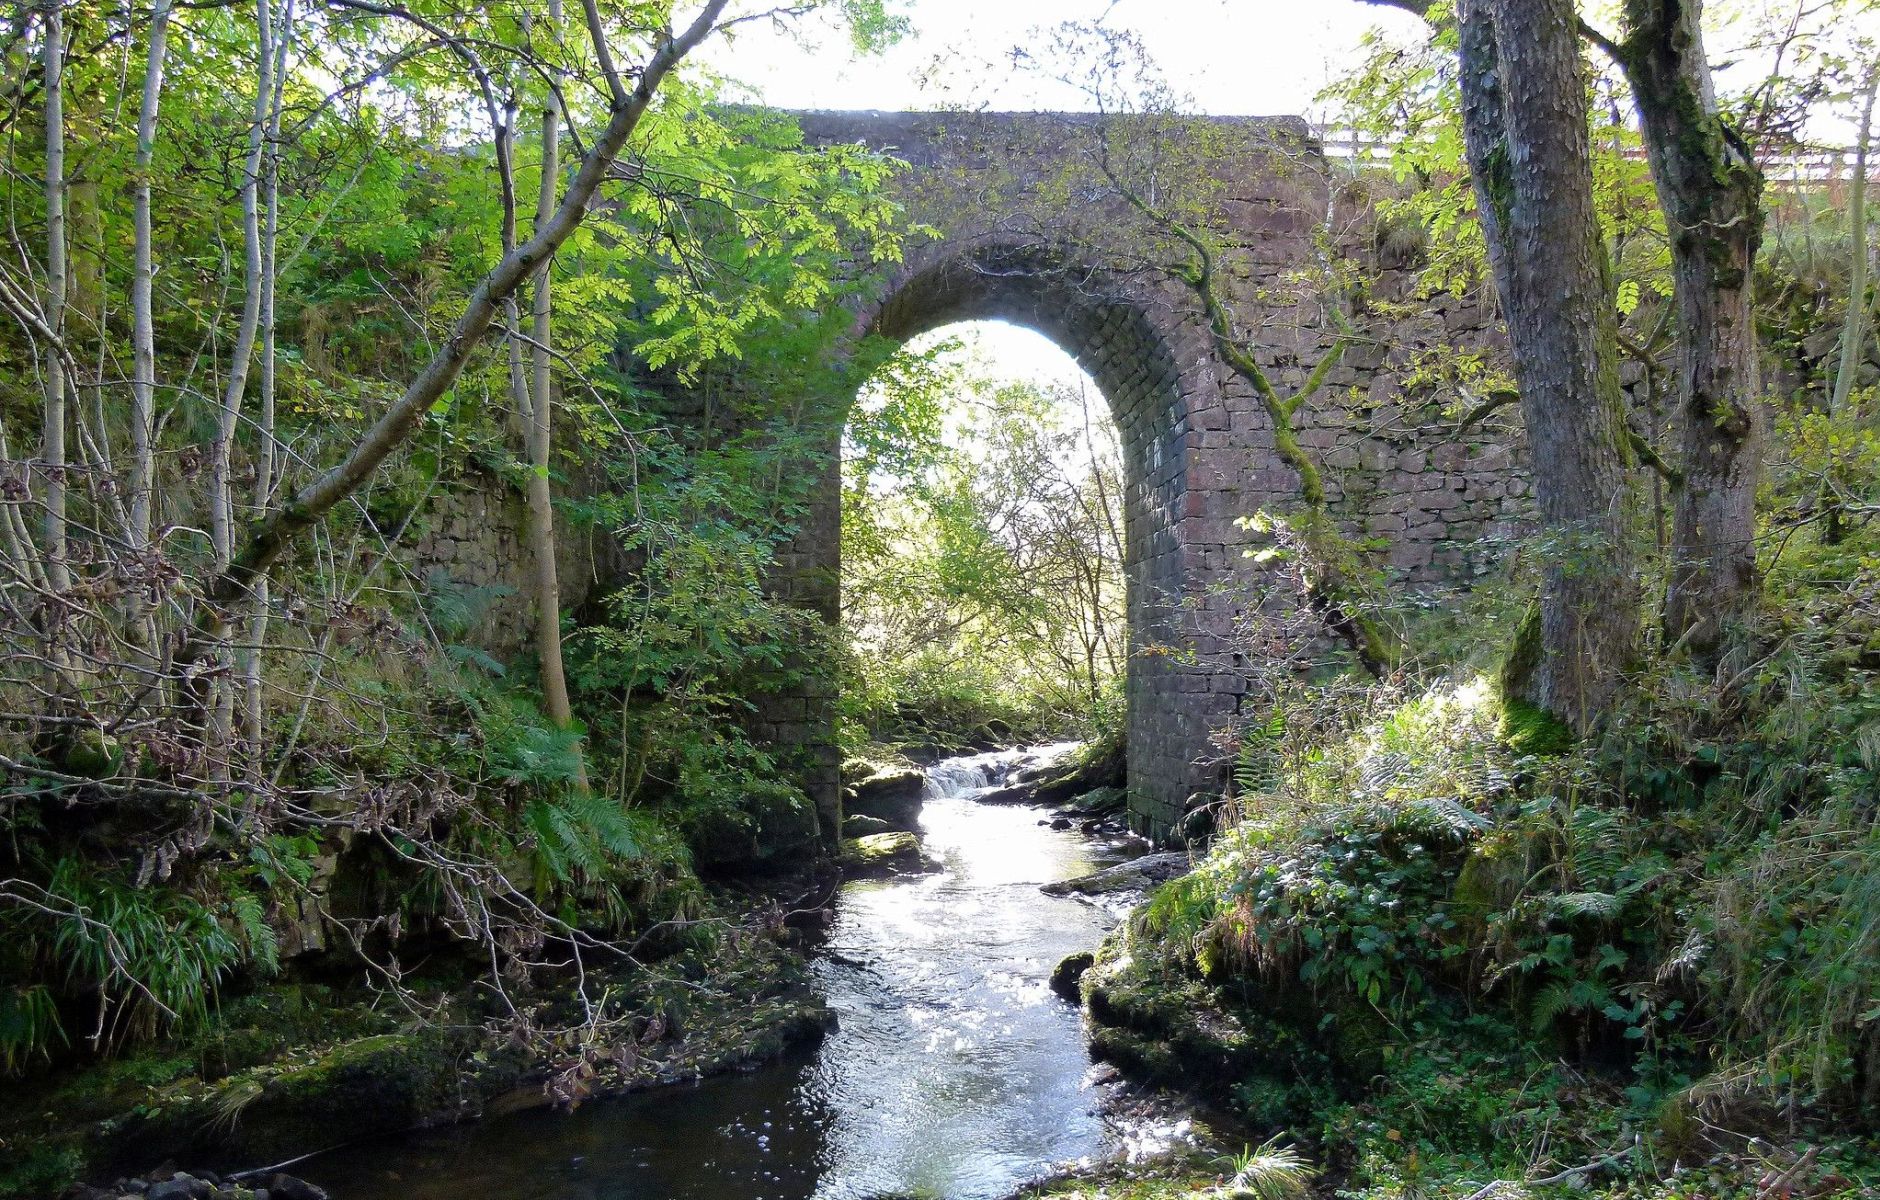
(1069, 973)
(1529, 729)
(859, 826)
(770, 827)
(880, 852)
(890, 793)
(1101, 800)
(1158, 1021)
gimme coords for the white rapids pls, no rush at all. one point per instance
(972, 773)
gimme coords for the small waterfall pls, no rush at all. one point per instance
(969, 773)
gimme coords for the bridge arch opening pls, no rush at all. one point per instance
(982, 552)
(1124, 341)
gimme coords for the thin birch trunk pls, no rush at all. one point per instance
(265, 451)
(222, 498)
(52, 438)
(1854, 327)
(222, 512)
(143, 323)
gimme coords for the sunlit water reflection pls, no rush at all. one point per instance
(955, 1072)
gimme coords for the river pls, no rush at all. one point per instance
(955, 1073)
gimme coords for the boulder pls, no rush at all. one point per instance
(1105, 767)
(1138, 874)
(287, 1187)
(1101, 801)
(1070, 972)
(772, 827)
(883, 853)
(859, 826)
(891, 793)
(1014, 794)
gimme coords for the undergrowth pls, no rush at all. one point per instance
(1648, 963)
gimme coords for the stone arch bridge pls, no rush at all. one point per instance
(1024, 227)
(1020, 225)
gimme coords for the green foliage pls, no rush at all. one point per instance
(1270, 1171)
(1404, 99)
(1575, 945)
(29, 1026)
(982, 558)
(140, 959)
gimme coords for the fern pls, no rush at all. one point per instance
(455, 607)
(251, 921)
(1269, 1172)
(1550, 1005)
(540, 755)
(1378, 772)
(1603, 905)
(578, 836)
(1257, 765)
(1440, 814)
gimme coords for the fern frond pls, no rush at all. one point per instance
(1270, 1172)
(1603, 905)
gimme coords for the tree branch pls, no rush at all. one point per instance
(273, 536)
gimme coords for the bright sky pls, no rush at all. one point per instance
(1244, 57)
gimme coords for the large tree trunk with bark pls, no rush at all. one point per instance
(1525, 120)
(1711, 192)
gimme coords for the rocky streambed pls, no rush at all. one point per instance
(952, 1071)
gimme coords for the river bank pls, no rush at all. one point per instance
(295, 1070)
(952, 1070)
(943, 959)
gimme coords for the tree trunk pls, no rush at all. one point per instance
(143, 324)
(222, 502)
(222, 522)
(1854, 324)
(1711, 192)
(266, 453)
(52, 437)
(1529, 157)
(554, 679)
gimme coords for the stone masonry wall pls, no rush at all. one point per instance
(472, 537)
(1024, 234)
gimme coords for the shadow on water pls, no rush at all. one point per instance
(955, 1074)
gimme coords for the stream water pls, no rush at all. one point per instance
(955, 1073)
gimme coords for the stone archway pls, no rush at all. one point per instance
(1009, 239)
(1014, 226)
(1017, 227)
(1125, 346)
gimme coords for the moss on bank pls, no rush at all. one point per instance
(285, 1072)
(1461, 948)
